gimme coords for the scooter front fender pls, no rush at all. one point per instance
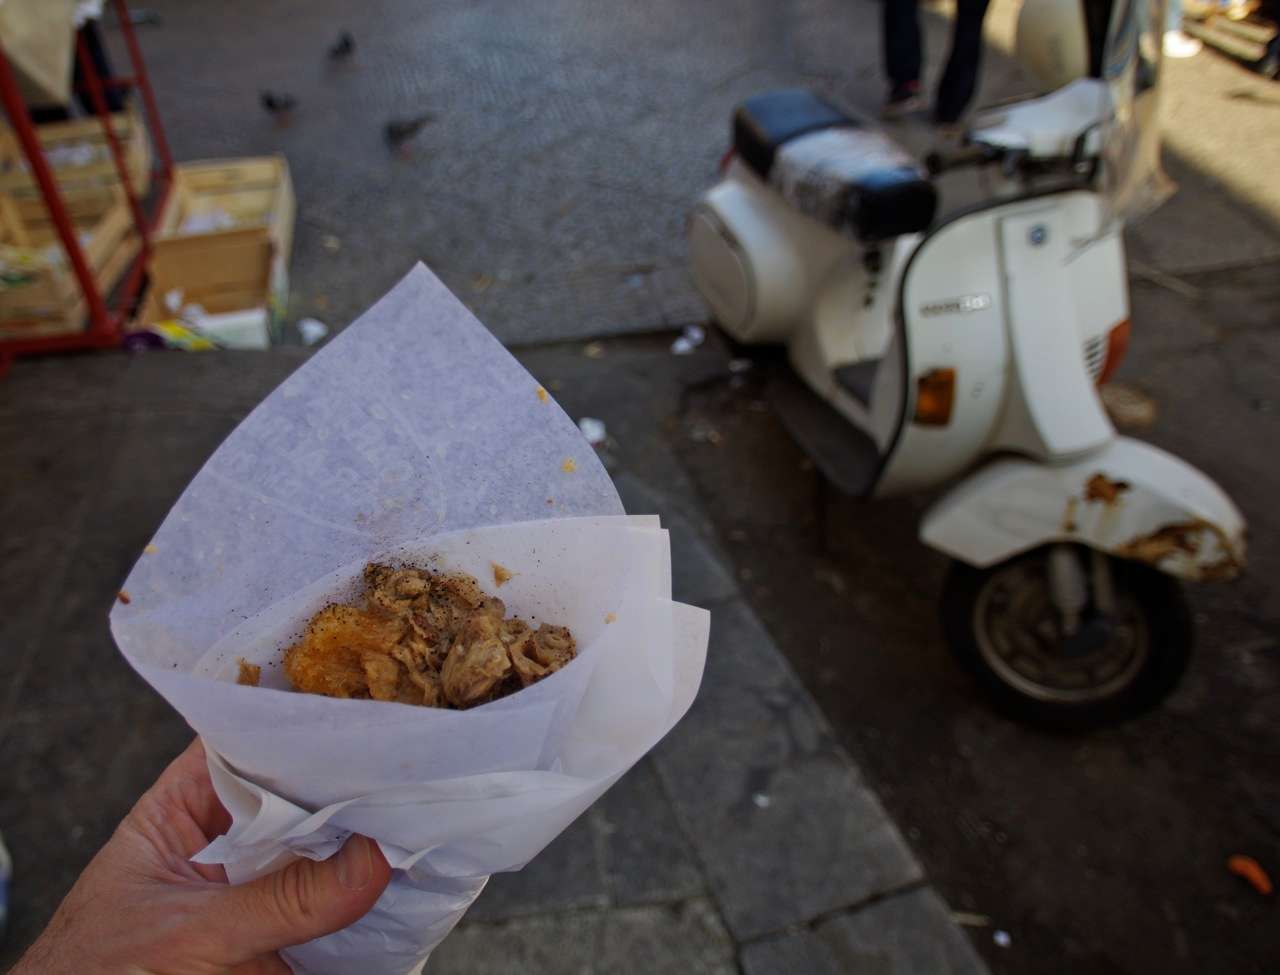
(1130, 499)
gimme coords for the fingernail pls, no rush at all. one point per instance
(355, 863)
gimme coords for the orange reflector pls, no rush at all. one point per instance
(935, 395)
(1117, 346)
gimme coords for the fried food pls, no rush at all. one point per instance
(249, 674)
(427, 638)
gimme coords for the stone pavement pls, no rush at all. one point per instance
(570, 137)
(747, 839)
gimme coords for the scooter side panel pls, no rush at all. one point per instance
(756, 261)
(953, 309)
(1130, 499)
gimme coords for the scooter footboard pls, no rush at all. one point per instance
(1129, 499)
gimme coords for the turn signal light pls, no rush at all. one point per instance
(1117, 346)
(935, 395)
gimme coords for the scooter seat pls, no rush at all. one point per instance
(831, 167)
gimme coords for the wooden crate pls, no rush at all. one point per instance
(82, 165)
(39, 293)
(225, 237)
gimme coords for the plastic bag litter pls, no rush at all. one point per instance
(692, 337)
(594, 430)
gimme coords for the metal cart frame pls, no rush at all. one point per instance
(107, 314)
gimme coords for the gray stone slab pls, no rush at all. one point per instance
(1165, 323)
(57, 385)
(647, 858)
(71, 772)
(907, 934)
(796, 951)
(774, 807)
(47, 491)
(555, 944)
(910, 934)
(43, 488)
(1201, 228)
(700, 574)
(564, 876)
(227, 382)
(678, 939)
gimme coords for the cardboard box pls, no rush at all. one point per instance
(225, 237)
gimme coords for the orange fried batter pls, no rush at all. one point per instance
(423, 638)
(330, 657)
(249, 674)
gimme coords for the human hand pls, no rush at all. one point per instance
(141, 906)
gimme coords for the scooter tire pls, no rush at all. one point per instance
(1169, 626)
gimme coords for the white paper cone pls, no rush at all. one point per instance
(412, 435)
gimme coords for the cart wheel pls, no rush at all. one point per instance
(1002, 624)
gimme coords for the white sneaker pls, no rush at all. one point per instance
(1180, 45)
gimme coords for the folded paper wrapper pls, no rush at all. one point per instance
(412, 436)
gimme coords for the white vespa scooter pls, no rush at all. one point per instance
(970, 347)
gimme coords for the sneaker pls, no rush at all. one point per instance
(1180, 45)
(903, 100)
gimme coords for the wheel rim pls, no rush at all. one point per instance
(1019, 636)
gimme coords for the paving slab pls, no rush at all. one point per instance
(675, 939)
(563, 943)
(754, 773)
(565, 876)
(679, 939)
(97, 449)
(907, 934)
(647, 857)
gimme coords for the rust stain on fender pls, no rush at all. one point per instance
(1069, 515)
(1187, 538)
(1102, 488)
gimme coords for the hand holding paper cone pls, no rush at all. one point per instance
(412, 437)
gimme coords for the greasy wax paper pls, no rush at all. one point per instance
(412, 436)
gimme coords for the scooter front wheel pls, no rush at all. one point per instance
(1099, 669)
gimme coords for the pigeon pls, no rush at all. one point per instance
(278, 104)
(343, 48)
(398, 131)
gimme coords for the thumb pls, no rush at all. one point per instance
(305, 900)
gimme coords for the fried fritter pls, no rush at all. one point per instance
(330, 657)
(423, 638)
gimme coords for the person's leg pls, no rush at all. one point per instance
(902, 54)
(960, 78)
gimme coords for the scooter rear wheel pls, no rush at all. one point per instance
(1002, 625)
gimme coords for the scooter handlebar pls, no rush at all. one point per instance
(977, 154)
